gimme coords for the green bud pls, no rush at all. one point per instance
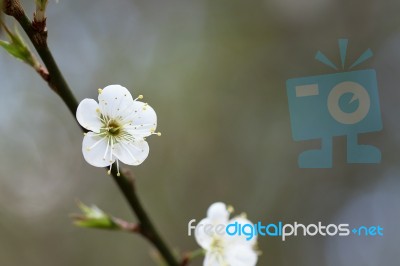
(41, 4)
(93, 217)
(40, 14)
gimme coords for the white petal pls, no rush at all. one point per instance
(94, 150)
(87, 115)
(203, 238)
(240, 255)
(248, 227)
(213, 259)
(132, 153)
(218, 213)
(141, 121)
(115, 101)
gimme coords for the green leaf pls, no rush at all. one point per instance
(17, 47)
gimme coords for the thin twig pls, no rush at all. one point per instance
(188, 257)
(57, 83)
(127, 226)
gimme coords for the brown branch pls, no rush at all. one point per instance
(127, 226)
(56, 81)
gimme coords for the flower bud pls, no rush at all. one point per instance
(40, 13)
(93, 217)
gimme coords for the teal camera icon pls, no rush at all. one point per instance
(338, 104)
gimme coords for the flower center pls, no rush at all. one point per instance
(113, 128)
(217, 249)
(217, 245)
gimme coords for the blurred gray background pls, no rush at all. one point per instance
(215, 72)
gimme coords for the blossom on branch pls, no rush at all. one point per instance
(223, 249)
(118, 126)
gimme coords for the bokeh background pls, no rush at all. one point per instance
(215, 72)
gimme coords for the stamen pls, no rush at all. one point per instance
(111, 154)
(99, 134)
(100, 91)
(155, 133)
(139, 97)
(125, 136)
(118, 174)
(105, 153)
(103, 119)
(94, 145)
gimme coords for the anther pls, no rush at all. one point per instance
(100, 91)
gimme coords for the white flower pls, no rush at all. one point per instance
(221, 248)
(118, 126)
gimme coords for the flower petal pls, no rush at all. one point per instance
(142, 120)
(87, 115)
(132, 153)
(115, 101)
(248, 227)
(240, 255)
(202, 236)
(95, 150)
(218, 213)
(213, 259)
